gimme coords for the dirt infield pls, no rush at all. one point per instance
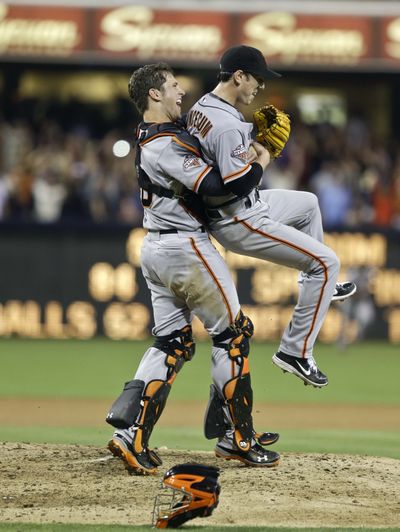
(81, 484)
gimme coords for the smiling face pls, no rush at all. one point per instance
(171, 97)
(248, 86)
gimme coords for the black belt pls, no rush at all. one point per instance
(214, 212)
(172, 231)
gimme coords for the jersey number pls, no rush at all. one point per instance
(146, 197)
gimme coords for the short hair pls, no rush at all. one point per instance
(145, 78)
(224, 76)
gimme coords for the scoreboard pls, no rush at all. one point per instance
(85, 282)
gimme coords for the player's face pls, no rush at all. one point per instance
(249, 87)
(172, 95)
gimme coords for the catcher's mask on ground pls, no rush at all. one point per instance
(187, 491)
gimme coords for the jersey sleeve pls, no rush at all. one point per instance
(181, 162)
(231, 154)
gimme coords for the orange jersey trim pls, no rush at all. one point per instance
(309, 254)
(154, 137)
(186, 146)
(235, 175)
(208, 268)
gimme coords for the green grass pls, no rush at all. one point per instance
(363, 374)
(364, 442)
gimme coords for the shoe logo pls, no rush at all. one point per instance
(243, 444)
(305, 371)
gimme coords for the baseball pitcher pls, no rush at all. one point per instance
(280, 226)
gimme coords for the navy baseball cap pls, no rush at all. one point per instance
(249, 60)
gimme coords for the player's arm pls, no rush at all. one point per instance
(187, 167)
(213, 184)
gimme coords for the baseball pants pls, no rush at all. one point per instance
(285, 227)
(187, 276)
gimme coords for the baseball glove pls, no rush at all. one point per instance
(273, 128)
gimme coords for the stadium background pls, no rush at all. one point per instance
(75, 314)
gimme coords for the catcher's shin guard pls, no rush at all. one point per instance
(149, 404)
(214, 419)
(239, 398)
(237, 392)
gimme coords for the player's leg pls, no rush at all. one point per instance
(266, 239)
(301, 210)
(229, 413)
(296, 208)
(138, 408)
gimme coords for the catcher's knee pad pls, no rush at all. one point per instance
(238, 334)
(238, 396)
(214, 419)
(126, 408)
(179, 348)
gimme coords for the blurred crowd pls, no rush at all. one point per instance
(50, 174)
(356, 177)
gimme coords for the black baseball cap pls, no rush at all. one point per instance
(249, 60)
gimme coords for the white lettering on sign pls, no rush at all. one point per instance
(278, 34)
(393, 35)
(132, 28)
(30, 35)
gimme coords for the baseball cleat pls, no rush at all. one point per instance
(143, 463)
(344, 290)
(256, 456)
(304, 368)
(266, 438)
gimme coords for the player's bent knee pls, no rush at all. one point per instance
(236, 338)
(333, 263)
(178, 346)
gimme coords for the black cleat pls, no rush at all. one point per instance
(304, 368)
(344, 290)
(256, 456)
(143, 463)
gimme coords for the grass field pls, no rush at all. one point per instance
(365, 374)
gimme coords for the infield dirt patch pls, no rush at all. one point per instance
(44, 483)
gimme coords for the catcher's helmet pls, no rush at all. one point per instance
(187, 491)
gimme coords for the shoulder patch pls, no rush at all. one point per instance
(191, 161)
(240, 152)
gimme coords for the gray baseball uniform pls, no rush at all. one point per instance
(279, 226)
(184, 272)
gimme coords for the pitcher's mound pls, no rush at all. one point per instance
(82, 484)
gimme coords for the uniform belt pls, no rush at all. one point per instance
(216, 213)
(173, 231)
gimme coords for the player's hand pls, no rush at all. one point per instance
(251, 154)
(263, 155)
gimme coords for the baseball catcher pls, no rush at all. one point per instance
(272, 128)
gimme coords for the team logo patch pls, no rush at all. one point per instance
(191, 161)
(240, 152)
